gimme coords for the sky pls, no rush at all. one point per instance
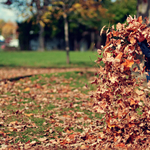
(7, 14)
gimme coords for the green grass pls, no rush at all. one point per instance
(47, 59)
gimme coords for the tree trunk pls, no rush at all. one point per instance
(41, 38)
(143, 8)
(66, 38)
(99, 41)
(92, 46)
(75, 44)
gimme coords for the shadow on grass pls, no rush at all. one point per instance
(6, 66)
(16, 78)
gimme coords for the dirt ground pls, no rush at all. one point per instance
(14, 73)
(17, 73)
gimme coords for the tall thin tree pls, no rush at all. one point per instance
(64, 7)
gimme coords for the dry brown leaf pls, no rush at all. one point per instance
(26, 89)
(28, 115)
(42, 139)
(102, 30)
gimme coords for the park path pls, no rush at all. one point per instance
(12, 73)
(17, 73)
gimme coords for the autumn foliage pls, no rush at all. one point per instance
(9, 29)
(119, 96)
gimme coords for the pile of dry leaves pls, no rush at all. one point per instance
(119, 96)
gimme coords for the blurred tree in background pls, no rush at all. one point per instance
(91, 14)
(9, 29)
(121, 9)
(24, 29)
(64, 10)
(27, 9)
(87, 13)
(71, 19)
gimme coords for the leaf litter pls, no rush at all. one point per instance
(48, 111)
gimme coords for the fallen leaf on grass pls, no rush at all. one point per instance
(3, 133)
(33, 143)
(13, 123)
(12, 129)
(1, 123)
(42, 139)
(28, 115)
(66, 116)
(26, 89)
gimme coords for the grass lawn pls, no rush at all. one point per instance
(43, 108)
(47, 59)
